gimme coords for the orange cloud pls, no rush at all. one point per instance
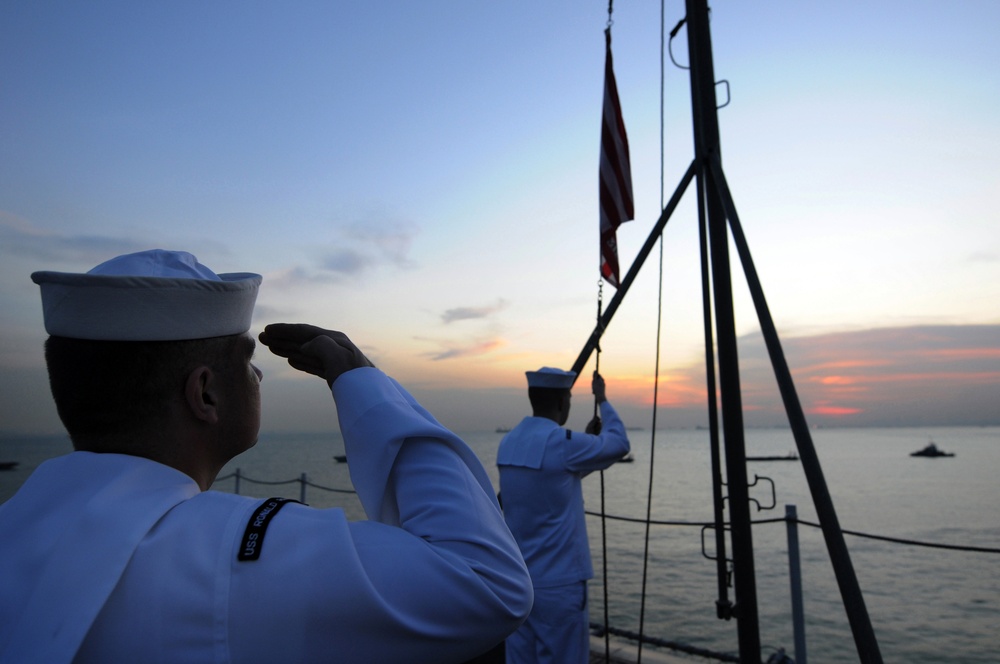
(982, 377)
(965, 353)
(846, 364)
(834, 380)
(834, 411)
(923, 374)
(674, 390)
(945, 375)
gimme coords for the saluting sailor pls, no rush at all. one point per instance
(118, 552)
(541, 466)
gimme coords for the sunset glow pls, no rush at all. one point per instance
(833, 411)
(424, 178)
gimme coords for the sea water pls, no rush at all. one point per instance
(925, 604)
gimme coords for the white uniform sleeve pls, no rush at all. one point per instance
(435, 576)
(376, 415)
(586, 453)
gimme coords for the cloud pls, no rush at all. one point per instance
(392, 240)
(356, 250)
(920, 374)
(984, 257)
(67, 252)
(945, 375)
(366, 245)
(452, 349)
(288, 277)
(346, 261)
(23, 239)
(469, 313)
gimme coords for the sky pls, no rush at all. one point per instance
(423, 176)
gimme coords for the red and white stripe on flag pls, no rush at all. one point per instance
(616, 172)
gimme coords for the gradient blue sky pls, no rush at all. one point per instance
(424, 177)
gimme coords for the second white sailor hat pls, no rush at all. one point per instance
(551, 378)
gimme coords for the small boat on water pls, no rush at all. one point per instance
(8, 465)
(931, 451)
(791, 456)
(628, 458)
(503, 429)
(340, 458)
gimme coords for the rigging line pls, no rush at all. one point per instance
(604, 575)
(597, 367)
(604, 528)
(599, 332)
(662, 86)
(656, 376)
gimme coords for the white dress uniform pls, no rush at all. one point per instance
(113, 558)
(541, 466)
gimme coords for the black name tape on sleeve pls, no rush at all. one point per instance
(253, 536)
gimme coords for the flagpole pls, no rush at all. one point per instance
(615, 206)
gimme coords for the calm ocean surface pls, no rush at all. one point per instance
(926, 604)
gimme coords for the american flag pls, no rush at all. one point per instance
(616, 172)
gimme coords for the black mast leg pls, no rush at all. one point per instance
(850, 590)
(744, 574)
(723, 606)
(707, 148)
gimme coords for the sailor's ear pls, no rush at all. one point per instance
(200, 394)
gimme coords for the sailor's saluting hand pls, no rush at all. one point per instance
(314, 350)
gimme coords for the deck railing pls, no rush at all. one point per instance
(790, 519)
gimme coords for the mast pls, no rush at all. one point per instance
(707, 147)
(717, 215)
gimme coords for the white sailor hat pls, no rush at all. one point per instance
(154, 295)
(551, 378)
